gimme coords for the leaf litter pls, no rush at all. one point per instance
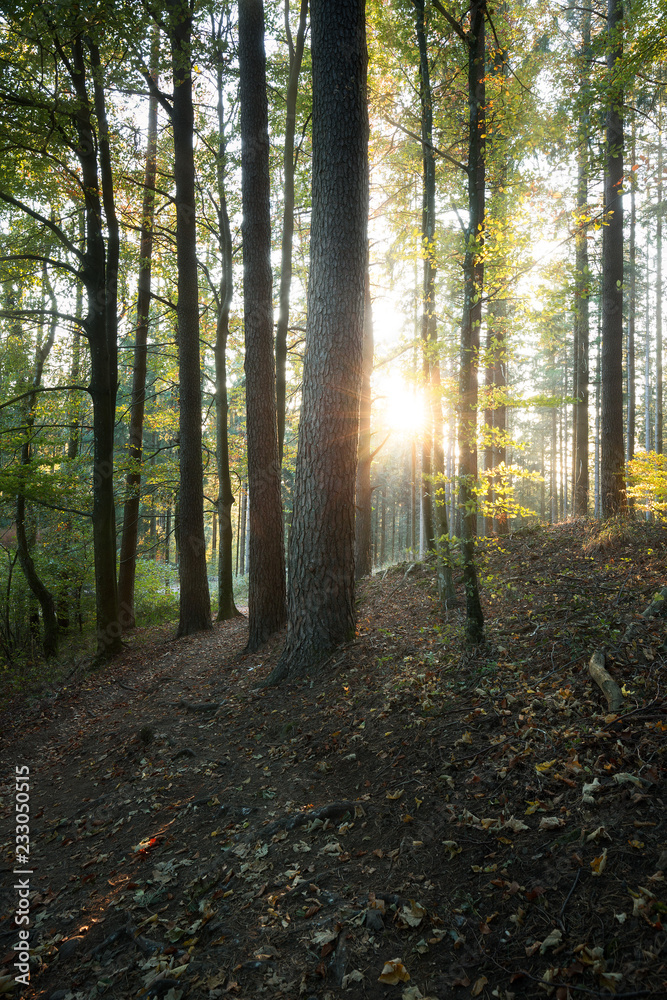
(427, 821)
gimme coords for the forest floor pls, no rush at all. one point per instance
(417, 821)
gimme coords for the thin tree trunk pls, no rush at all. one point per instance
(363, 561)
(658, 296)
(34, 581)
(473, 271)
(195, 601)
(632, 310)
(226, 607)
(580, 476)
(128, 547)
(266, 592)
(612, 487)
(295, 60)
(428, 322)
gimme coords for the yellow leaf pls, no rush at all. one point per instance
(396, 795)
(599, 864)
(540, 768)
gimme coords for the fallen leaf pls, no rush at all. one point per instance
(599, 864)
(352, 977)
(394, 972)
(478, 986)
(551, 941)
(452, 848)
(551, 822)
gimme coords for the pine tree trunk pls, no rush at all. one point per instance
(321, 607)
(266, 591)
(612, 487)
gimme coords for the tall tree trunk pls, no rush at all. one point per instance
(266, 591)
(658, 295)
(99, 273)
(612, 487)
(647, 357)
(128, 547)
(321, 606)
(580, 477)
(433, 459)
(473, 273)
(195, 602)
(295, 60)
(226, 606)
(428, 318)
(632, 309)
(363, 560)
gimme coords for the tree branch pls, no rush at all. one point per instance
(451, 21)
(44, 388)
(438, 152)
(10, 200)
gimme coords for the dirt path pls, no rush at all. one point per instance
(478, 821)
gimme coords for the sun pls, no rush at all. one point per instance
(398, 404)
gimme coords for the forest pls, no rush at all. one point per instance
(331, 448)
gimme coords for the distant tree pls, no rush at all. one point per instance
(321, 601)
(363, 551)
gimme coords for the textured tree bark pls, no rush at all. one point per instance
(612, 487)
(321, 601)
(128, 547)
(363, 561)
(225, 501)
(195, 602)
(295, 60)
(266, 588)
(473, 272)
